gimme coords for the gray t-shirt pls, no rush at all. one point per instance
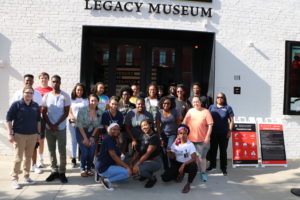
(55, 105)
(133, 119)
(168, 124)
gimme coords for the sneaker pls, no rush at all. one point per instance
(74, 165)
(151, 182)
(29, 181)
(52, 177)
(41, 163)
(35, 169)
(186, 188)
(224, 171)
(107, 184)
(142, 178)
(122, 156)
(15, 184)
(97, 178)
(211, 169)
(62, 177)
(203, 177)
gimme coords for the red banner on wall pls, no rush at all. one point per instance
(244, 145)
(272, 145)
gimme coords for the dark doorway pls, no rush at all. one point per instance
(121, 56)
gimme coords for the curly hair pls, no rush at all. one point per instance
(126, 89)
(172, 100)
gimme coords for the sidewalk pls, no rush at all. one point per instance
(273, 183)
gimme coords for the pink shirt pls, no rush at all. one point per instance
(198, 122)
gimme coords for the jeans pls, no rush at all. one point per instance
(72, 130)
(168, 141)
(148, 167)
(87, 153)
(115, 174)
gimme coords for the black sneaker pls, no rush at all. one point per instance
(224, 171)
(62, 177)
(142, 178)
(74, 165)
(106, 184)
(52, 177)
(210, 169)
(151, 182)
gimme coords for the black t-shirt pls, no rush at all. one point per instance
(150, 140)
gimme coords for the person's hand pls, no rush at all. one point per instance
(11, 138)
(228, 134)
(181, 168)
(168, 149)
(134, 144)
(129, 171)
(136, 169)
(54, 127)
(206, 141)
(92, 140)
(86, 141)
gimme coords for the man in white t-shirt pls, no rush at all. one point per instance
(37, 97)
(28, 81)
(56, 105)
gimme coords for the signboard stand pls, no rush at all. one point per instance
(244, 143)
(272, 143)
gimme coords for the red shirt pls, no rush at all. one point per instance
(44, 91)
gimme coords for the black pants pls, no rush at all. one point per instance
(172, 173)
(220, 142)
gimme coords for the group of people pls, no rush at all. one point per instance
(121, 136)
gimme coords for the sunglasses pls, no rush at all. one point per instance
(28, 92)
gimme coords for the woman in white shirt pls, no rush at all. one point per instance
(185, 154)
(78, 100)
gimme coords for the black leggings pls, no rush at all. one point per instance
(172, 173)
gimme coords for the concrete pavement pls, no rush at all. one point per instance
(272, 183)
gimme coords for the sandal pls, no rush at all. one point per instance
(186, 188)
(83, 174)
(90, 173)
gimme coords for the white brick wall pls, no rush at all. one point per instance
(268, 24)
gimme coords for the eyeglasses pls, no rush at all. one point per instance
(28, 92)
(220, 97)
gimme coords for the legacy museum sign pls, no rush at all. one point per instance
(117, 6)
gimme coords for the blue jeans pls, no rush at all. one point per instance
(87, 153)
(115, 174)
(168, 141)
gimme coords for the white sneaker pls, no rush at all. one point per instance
(41, 163)
(29, 181)
(15, 184)
(35, 169)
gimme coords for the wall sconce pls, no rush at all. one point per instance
(251, 44)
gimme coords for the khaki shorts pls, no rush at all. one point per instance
(201, 149)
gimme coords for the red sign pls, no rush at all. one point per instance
(244, 144)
